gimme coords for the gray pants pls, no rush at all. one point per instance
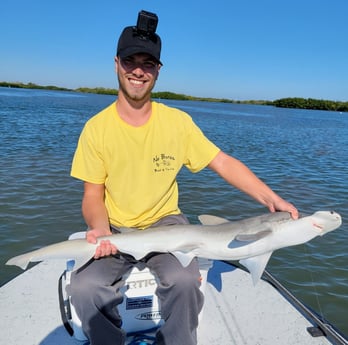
(95, 295)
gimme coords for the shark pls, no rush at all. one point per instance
(251, 241)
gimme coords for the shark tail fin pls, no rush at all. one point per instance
(256, 265)
(21, 261)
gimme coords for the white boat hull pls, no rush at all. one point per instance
(235, 311)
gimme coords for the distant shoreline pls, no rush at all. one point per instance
(290, 102)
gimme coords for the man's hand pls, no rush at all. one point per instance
(281, 205)
(105, 247)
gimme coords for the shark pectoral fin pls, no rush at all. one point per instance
(253, 237)
(206, 219)
(242, 240)
(184, 258)
(256, 265)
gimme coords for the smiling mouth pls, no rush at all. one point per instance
(136, 82)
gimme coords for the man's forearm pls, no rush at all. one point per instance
(240, 176)
(96, 215)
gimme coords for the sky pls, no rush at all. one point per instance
(240, 50)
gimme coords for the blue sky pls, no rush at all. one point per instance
(249, 49)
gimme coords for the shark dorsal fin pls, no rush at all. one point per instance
(206, 219)
(124, 230)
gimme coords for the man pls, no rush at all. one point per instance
(128, 156)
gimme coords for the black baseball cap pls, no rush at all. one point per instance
(131, 42)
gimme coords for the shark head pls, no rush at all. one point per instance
(326, 221)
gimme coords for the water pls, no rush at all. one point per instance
(301, 154)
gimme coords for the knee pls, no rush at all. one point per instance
(181, 294)
(187, 279)
(184, 282)
(81, 290)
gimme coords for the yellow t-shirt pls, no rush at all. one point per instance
(139, 165)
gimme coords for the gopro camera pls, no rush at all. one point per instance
(146, 24)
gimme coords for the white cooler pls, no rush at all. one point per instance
(140, 309)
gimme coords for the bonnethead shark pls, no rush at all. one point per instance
(251, 241)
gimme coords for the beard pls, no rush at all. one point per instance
(136, 95)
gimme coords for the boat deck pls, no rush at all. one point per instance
(235, 311)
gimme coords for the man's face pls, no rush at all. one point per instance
(137, 75)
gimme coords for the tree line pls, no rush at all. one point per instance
(310, 103)
(32, 86)
(290, 102)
